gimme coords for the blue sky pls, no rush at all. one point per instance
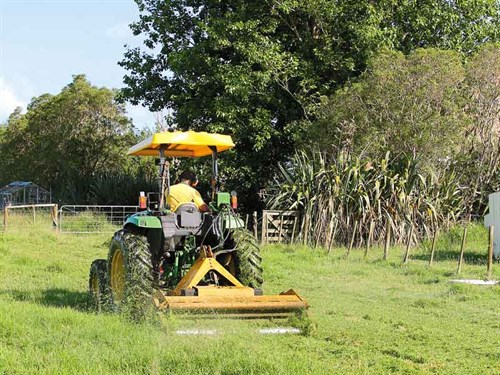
(44, 42)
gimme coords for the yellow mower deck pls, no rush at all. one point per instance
(232, 300)
(281, 305)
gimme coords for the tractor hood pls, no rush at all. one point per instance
(178, 144)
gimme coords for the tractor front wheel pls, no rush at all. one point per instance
(130, 273)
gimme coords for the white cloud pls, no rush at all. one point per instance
(119, 31)
(9, 100)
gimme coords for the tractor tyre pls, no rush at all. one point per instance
(246, 260)
(130, 274)
(98, 284)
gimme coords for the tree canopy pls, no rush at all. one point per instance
(258, 69)
(65, 140)
(412, 105)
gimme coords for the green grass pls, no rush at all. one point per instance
(370, 316)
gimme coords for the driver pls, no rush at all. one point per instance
(185, 192)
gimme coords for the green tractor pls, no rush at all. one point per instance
(186, 260)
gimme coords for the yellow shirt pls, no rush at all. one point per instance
(183, 193)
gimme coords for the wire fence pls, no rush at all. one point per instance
(93, 219)
(23, 217)
(269, 227)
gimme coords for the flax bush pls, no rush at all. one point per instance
(350, 194)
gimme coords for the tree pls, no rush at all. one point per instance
(258, 69)
(65, 140)
(427, 105)
(480, 156)
(12, 132)
(407, 105)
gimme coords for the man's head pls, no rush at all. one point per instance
(189, 177)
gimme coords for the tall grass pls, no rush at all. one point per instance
(350, 195)
(371, 317)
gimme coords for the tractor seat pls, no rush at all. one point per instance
(188, 216)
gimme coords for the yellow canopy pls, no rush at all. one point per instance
(190, 144)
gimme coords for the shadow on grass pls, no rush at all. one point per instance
(53, 297)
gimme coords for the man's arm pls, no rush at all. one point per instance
(198, 201)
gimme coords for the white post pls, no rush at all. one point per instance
(493, 219)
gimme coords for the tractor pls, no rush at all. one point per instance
(186, 261)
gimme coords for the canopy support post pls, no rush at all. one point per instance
(215, 172)
(164, 180)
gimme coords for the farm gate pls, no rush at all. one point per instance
(279, 226)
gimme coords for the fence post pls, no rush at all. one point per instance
(387, 239)
(489, 265)
(263, 233)
(462, 246)
(433, 246)
(53, 214)
(254, 217)
(294, 229)
(407, 253)
(332, 236)
(352, 239)
(5, 217)
(280, 232)
(34, 214)
(306, 228)
(370, 234)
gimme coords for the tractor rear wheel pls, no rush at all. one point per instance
(98, 284)
(245, 262)
(130, 273)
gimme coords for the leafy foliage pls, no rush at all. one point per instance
(66, 141)
(119, 189)
(258, 70)
(406, 105)
(480, 153)
(349, 194)
(426, 106)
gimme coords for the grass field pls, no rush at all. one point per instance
(370, 316)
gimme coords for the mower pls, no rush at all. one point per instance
(186, 261)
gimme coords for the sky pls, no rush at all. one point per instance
(43, 43)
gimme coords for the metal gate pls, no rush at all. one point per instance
(93, 219)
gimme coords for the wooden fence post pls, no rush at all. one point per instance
(407, 253)
(254, 217)
(489, 265)
(370, 235)
(294, 229)
(433, 246)
(263, 234)
(462, 246)
(53, 214)
(306, 228)
(5, 217)
(332, 236)
(387, 239)
(280, 230)
(352, 239)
